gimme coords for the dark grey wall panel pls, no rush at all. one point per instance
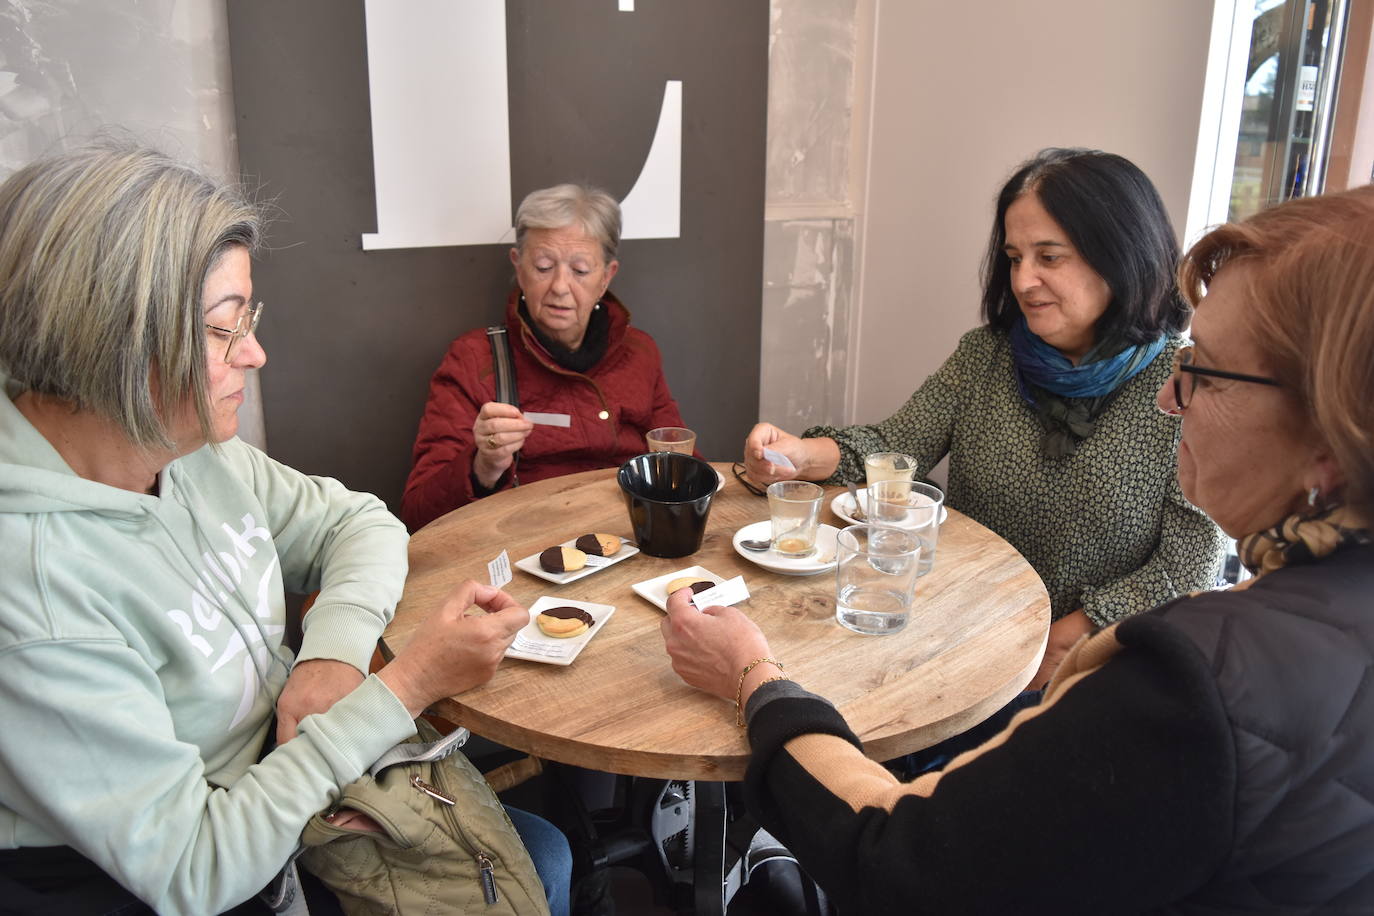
(353, 336)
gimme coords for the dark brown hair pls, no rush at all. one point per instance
(1114, 216)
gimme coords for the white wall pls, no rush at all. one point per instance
(819, 54)
(962, 92)
(158, 71)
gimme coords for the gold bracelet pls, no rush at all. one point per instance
(739, 688)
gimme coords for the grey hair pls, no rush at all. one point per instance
(104, 252)
(565, 204)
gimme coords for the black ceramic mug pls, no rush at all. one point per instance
(669, 498)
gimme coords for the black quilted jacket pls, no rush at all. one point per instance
(1293, 660)
(1217, 758)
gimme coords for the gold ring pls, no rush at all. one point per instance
(491, 443)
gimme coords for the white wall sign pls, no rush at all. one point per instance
(653, 208)
(441, 131)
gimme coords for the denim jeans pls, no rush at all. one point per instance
(552, 857)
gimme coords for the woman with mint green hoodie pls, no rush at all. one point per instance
(146, 553)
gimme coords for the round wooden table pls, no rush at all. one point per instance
(977, 633)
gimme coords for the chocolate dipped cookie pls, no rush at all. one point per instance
(599, 545)
(562, 559)
(564, 622)
(696, 585)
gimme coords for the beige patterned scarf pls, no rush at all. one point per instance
(1302, 539)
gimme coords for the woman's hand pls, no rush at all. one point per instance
(314, 685)
(498, 432)
(453, 650)
(1064, 632)
(710, 648)
(812, 459)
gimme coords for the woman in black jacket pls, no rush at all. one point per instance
(1213, 755)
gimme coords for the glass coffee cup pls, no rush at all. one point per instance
(794, 508)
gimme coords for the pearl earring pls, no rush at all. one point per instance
(1312, 495)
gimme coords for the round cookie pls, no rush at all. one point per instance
(599, 545)
(564, 622)
(696, 585)
(562, 559)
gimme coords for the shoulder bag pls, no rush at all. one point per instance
(447, 845)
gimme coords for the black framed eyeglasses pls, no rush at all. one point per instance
(1185, 377)
(247, 324)
(738, 470)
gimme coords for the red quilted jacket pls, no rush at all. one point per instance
(612, 406)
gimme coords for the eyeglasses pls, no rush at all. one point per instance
(247, 324)
(738, 470)
(1185, 377)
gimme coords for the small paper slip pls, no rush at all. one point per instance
(594, 561)
(499, 570)
(777, 458)
(541, 648)
(728, 593)
(548, 419)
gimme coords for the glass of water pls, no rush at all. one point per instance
(911, 506)
(875, 578)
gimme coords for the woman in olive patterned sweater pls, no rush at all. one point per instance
(1212, 756)
(1047, 412)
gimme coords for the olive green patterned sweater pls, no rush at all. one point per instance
(1107, 528)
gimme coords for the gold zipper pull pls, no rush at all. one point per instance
(429, 790)
(487, 872)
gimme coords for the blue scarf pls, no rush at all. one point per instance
(1046, 380)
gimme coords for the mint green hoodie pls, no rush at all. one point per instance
(141, 658)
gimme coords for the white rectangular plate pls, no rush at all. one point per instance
(530, 564)
(655, 591)
(532, 645)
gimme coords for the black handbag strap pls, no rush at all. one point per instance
(503, 366)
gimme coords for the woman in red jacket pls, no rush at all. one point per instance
(590, 385)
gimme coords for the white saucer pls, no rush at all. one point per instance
(532, 645)
(655, 591)
(843, 506)
(820, 561)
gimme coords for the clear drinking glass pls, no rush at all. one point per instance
(875, 578)
(794, 507)
(911, 506)
(888, 466)
(671, 439)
